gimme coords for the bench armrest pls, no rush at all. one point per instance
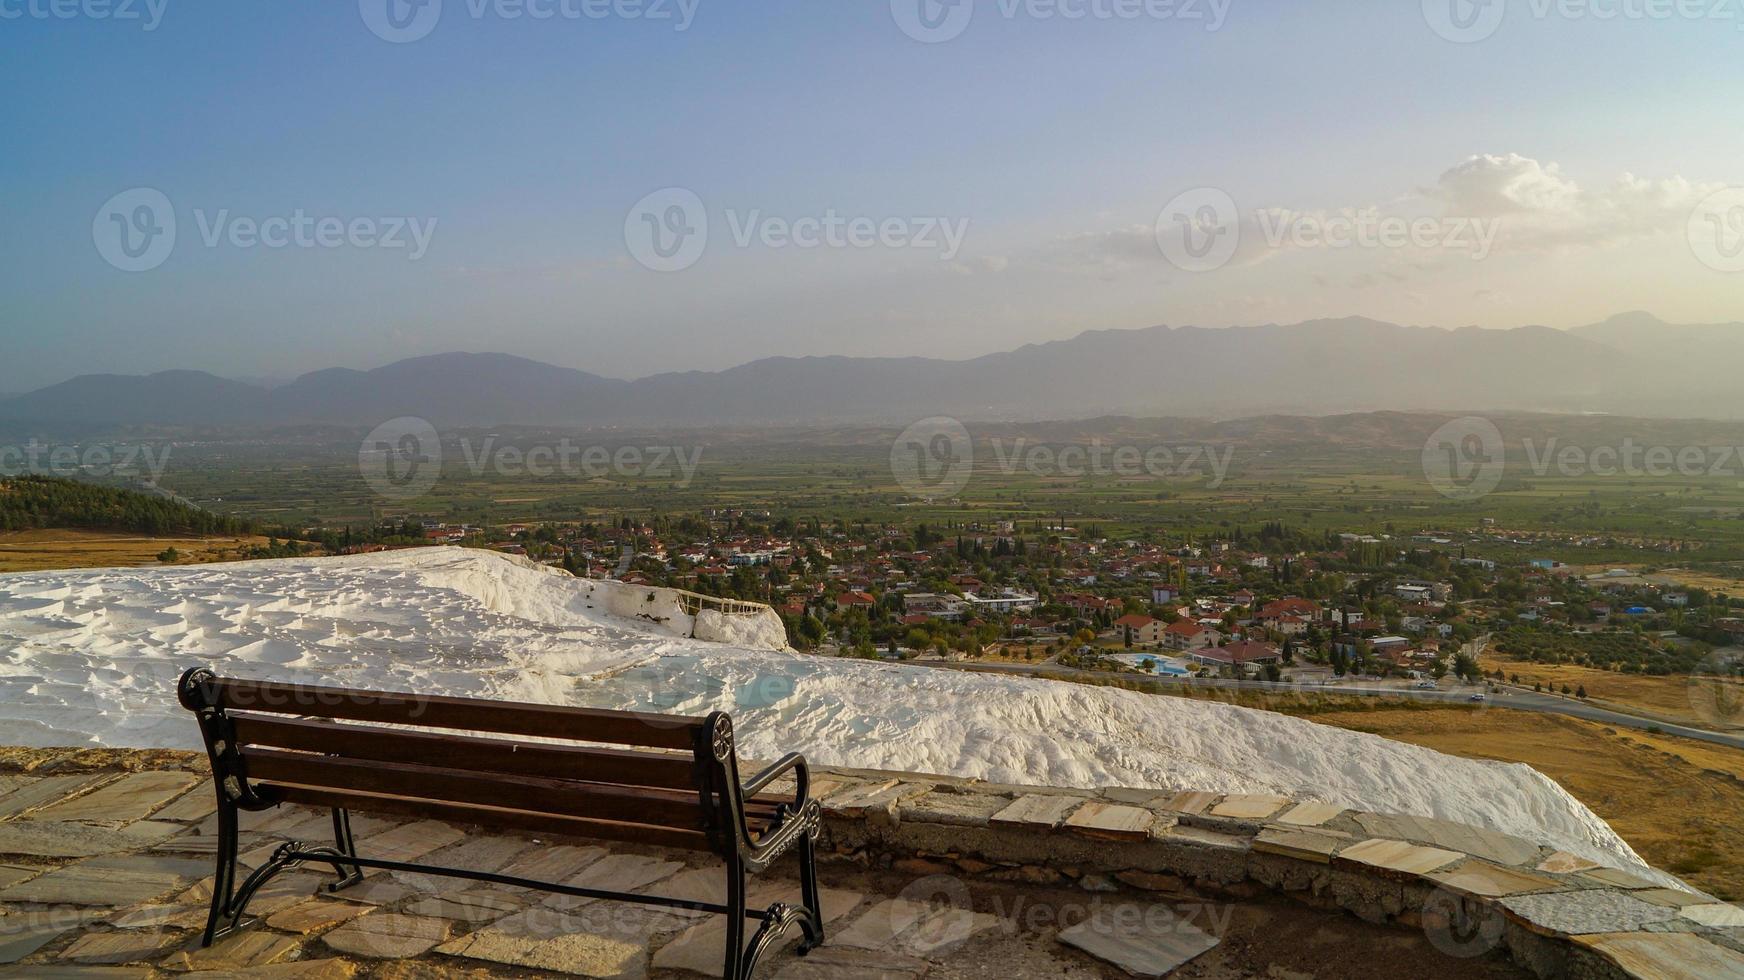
(791, 762)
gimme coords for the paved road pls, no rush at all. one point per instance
(1505, 696)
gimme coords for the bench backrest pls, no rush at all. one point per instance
(325, 746)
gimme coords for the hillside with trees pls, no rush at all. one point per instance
(38, 502)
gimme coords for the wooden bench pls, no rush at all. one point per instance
(445, 759)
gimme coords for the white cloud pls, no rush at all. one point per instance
(1542, 208)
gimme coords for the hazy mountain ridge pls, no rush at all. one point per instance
(1631, 364)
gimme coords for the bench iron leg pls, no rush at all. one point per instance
(813, 923)
(343, 843)
(224, 879)
(734, 969)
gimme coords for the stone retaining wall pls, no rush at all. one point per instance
(1472, 891)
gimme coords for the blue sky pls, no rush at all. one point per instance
(523, 146)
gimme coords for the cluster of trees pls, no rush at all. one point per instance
(1619, 650)
(30, 502)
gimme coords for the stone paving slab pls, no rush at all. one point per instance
(130, 798)
(1716, 914)
(61, 840)
(1500, 848)
(1618, 878)
(553, 863)
(855, 801)
(47, 971)
(1668, 955)
(1191, 802)
(132, 946)
(1045, 810)
(838, 963)
(22, 935)
(616, 873)
(1132, 939)
(387, 935)
(1399, 856)
(1249, 806)
(1562, 862)
(409, 842)
(878, 927)
(702, 947)
(38, 791)
(191, 807)
(1303, 845)
(329, 969)
(76, 885)
(952, 809)
(1309, 813)
(943, 929)
(476, 906)
(1111, 821)
(246, 950)
(1585, 912)
(1476, 877)
(314, 916)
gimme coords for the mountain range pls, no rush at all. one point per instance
(1632, 364)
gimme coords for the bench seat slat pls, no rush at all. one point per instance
(464, 714)
(494, 817)
(595, 765)
(534, 794)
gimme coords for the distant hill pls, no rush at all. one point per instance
(1631, 364)
(31, 502)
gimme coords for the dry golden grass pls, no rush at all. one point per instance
(1678, 802)
(25, 551)
(1685, 700)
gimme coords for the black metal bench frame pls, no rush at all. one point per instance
(723, 803)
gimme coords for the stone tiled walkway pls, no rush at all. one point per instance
(105, 861)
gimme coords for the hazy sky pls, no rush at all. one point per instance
(486, 175)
